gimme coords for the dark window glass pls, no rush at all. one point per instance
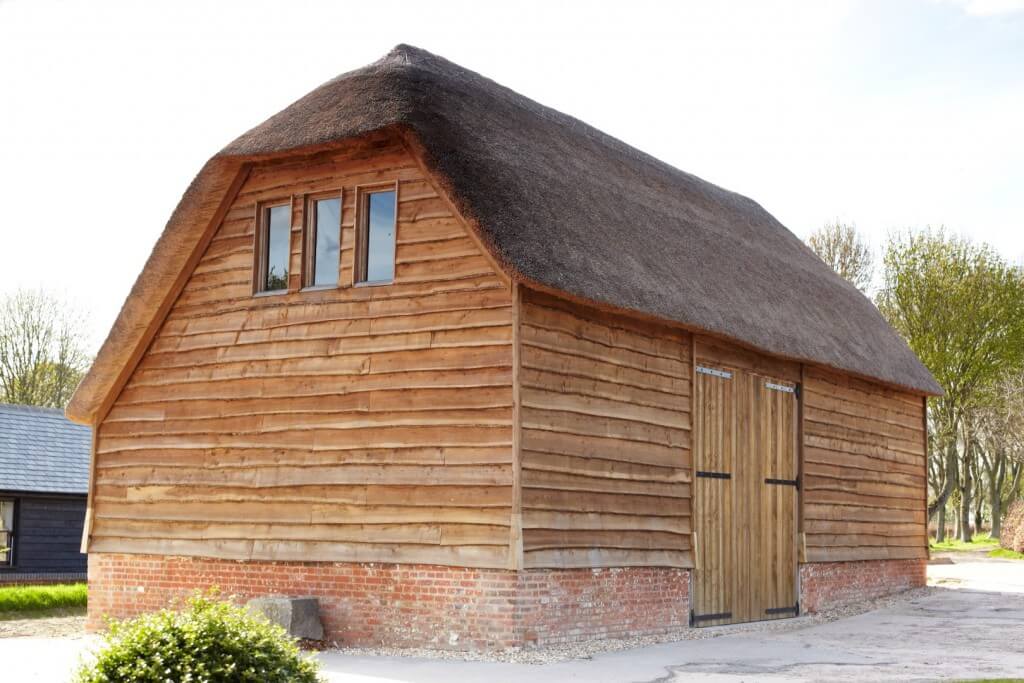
(380, 237)
(275, 264)
(6, 531)
(327, 227)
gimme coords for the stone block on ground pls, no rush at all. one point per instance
(300, 617)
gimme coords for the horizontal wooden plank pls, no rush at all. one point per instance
(313, 439)
(585, 425)
(584, 501)
(309, 551)
(543, 399)
(439, 534)
(213, 458)
(324, 307)
(331, 345)
(856, 389)
(815, 428)
(869, 463)
(544, 539)
(621, 523)
(553, 340)
(813, 468)
(812, 484)
(817, 529)
(605, 557)
(866, 425)
(301, 513)
(599, 466)
(865, 553)
(289, 476)
(606, 448)
(270, 423)
(562, 481)
(818, 396)
(564, 362)
(613, 336)
(860, 511)
(614, 320)
(499, 355)
(319, 386)
(387, 400)
(582, 386)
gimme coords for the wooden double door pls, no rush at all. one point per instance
(744, 497)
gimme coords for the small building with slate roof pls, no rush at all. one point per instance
(44, 481)
(479, 375)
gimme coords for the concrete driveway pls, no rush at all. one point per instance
(971, 626)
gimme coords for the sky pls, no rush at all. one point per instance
(891, 115)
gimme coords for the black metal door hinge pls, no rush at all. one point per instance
(783, 482)
(694, 618)
(794, 610)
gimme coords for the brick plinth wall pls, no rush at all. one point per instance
(830, 584)
(573, 605)
(413, 605)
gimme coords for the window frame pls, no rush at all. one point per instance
(309, 235)
(360, 257)
(261, 246)
(8, 564)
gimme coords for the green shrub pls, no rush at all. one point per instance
(209, 642)
(1011, 535)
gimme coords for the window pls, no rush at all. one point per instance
(272, 248)
(376, 237)
(323, 230)
(6, 532)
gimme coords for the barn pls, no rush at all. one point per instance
(480, 376)
(44, 478)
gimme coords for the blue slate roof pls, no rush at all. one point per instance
(42, 451)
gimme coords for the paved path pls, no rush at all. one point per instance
(973, 628)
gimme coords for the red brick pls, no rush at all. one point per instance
(831, 584)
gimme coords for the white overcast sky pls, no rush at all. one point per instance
(890, 114)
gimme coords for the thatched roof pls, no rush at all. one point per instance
(567, 207)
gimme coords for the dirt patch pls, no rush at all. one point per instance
(63, 623)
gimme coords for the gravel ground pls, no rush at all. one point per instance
(62, 624)
(586, 650)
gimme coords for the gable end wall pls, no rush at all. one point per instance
(350, 424)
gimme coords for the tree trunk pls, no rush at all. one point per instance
(979, 499)
(995, 472)
(940, 525)
(997, 515)
(950, 484)
(964, 518)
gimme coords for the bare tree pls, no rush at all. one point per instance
(1002, 441)
(42, 349)
(841, 247)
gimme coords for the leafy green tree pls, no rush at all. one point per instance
(961, 309)
(42, 350)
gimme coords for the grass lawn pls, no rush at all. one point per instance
(1006, 554)
(18, 602)
(979, 542)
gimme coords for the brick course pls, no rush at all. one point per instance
(457, 608)
(830, 584)
(405, 605)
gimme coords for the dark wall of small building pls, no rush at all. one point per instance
(49, 534)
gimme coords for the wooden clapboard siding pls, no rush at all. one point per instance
(369, 423)
(604, 422)
(863, 470)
